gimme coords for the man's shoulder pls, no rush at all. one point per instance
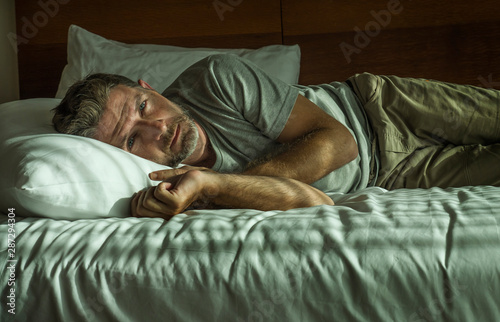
(220, 61)
(216, 65)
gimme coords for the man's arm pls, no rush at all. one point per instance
(316, 144)
(185, 185)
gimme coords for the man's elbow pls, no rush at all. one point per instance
(312, 201)
(320, 201)
(350, 148)
(300, 195)
(315, 197)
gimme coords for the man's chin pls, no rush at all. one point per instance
(181, 157)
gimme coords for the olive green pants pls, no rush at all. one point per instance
(431, 133)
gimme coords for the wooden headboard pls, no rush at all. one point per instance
(457, 43)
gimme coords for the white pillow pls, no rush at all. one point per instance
(160, 65)
(44, 173)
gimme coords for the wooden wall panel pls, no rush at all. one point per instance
(431, 39)
(42, 29)
(456, 42)
(330, 16)
(152, 19)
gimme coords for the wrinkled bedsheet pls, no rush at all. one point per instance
(402, 255)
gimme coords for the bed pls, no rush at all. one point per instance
(70, 252)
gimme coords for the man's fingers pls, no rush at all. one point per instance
(180, 188)
(170, 198)
(144, 204)
(161, 175)
(136, 205)
(133, 204)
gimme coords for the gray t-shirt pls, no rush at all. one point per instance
(243, 111)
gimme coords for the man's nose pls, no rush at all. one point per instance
(155, 128)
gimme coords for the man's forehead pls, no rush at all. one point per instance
(112, 117)
(120, 94)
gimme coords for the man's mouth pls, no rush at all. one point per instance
(175, 137)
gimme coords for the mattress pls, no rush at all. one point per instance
(402, 255)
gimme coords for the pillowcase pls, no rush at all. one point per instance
(159, 65)
(60, 176)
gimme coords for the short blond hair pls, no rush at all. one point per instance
(81, 108)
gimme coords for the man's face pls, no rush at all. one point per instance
(145, 123)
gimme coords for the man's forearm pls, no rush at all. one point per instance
(261, 192)
(309, 158)
(187, 186)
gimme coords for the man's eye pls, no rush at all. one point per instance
(130, 143)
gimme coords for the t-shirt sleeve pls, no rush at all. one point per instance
(232, 84)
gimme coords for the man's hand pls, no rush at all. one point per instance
(181, 187)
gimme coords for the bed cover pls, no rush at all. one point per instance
(402, 255)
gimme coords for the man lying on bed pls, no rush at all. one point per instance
(254, 142)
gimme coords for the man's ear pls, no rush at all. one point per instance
(145, 85)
